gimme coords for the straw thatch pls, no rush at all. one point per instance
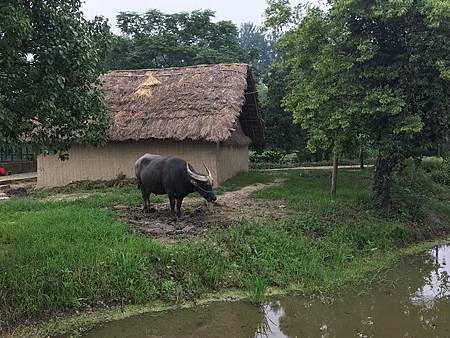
(206, 102)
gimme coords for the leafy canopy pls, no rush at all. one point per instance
(157, 40)
(402, 49)
(378, 68)
(323, 96)
(50, 62)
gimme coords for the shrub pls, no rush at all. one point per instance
(252, 156)
(291, 158)
(273, 158)
(438, 169)
(411, 188)
(431, 163)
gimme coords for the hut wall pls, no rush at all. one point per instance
(106, 163)
(231, 160)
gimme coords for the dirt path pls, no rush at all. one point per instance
(317, 168)
(231, 207)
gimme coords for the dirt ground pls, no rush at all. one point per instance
(17, 189)
(230, 207)
(197, 218)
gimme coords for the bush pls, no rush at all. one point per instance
(432, 163)
(438, 168)
(291, 158)
(268, 156)
(412, 187)
(274, 158)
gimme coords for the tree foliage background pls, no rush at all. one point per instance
(50, 62)
(374, 70)
(261, 51)
(259, 48)
(157, 40)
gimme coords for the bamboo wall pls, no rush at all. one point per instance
(231, 160)
(106, 163)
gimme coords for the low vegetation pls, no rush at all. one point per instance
(58, 256)
(273, 158)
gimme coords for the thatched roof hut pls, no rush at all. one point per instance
(204, 102)
(186, 111)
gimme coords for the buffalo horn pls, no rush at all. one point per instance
(196, 176)
(209, 173)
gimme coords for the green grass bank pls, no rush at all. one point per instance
(60, 256)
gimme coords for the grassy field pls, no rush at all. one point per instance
(60, 256)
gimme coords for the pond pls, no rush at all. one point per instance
(413, 300)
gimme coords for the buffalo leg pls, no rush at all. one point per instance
(179, 202)
(173, 202)
(146, 200)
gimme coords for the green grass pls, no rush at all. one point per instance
(256, 288)
(68, 255)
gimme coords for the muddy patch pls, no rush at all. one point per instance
(16, 190)
(194, 221)
(231, 207)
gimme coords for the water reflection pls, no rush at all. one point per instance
(413, 301)
(436, 285)
(270, 327)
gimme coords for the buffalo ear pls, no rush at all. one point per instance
(194, 182)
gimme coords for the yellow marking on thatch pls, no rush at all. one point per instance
(145, 88)
(118, 116)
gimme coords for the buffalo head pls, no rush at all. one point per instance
(202, 184)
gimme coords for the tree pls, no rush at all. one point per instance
(280, 131)
(259, 47)
(402, 49)
(373, 68)
(50, 62)
(157, 40)
(323, 96)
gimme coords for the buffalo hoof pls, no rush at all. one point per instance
(149, 210)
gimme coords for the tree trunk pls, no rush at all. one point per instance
(361, 158)
(334, 175)
(382, 180)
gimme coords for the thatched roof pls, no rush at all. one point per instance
(205, 102)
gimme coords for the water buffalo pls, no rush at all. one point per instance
(172, 176)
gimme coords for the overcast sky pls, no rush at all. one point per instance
(238, 11)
